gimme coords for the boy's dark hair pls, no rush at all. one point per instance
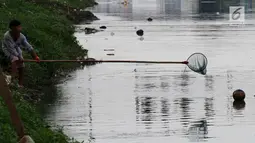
(14, 23)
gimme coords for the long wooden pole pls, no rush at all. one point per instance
(7, 96)
(112, 61)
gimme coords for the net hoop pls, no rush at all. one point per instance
(197, 62)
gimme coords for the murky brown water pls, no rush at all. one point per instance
(111, 103)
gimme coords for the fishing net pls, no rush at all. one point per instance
(197, 62)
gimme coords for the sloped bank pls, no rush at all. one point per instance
(75, 11)
(50, 31)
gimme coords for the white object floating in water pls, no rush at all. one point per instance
(110, 54)
(108, 49)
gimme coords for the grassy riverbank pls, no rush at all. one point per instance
(34, 125)
(50, 31)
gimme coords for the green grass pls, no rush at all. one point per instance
(51, 34)
(77, 3)
(37, 128)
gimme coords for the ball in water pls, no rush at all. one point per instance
(139, 32)
(239, 95)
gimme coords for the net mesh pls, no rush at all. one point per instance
(197, 62)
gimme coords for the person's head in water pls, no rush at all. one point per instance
(15, 27)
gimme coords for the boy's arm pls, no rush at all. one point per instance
(28, 47)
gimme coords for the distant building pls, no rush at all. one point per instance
(253, 5)
(202, 6)
(172, 6)
(208, 6)
(180, 6)
(225, 4)
(161, 6)
(107, 6)
(189, 6)
(247, 4)
(195, 6)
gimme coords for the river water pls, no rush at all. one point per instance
(148, 103)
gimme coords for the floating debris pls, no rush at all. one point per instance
(103, 27)
(91, 30)
(112, 34)
(108, 49)
(150, 19)
(140, 32)
(125, 3)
